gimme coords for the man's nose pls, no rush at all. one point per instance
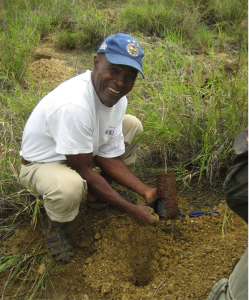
(120, 80)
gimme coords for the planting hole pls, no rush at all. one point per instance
(143, 276)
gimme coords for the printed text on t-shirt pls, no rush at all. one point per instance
(110, 131)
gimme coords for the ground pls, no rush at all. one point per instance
(115, 258)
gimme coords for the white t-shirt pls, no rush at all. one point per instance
(72, 120)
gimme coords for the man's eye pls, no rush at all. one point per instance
(131, 77)
(114, 70)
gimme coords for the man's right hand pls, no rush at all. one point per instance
(145, 215)
(99, 187)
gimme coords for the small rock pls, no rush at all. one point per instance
(41, 269)
(162, 251)
(149, 295)
(97, 236)
(209, 250)
(106, 288)
(170, 288)
(88, 260)
(85, 297)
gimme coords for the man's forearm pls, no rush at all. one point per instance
(99, 188)
(120, 173)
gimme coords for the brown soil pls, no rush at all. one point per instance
(117, 259)
(50, 72)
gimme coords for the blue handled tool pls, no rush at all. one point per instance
(198, 214)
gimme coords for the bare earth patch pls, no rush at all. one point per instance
(50, 72)
(117, 259)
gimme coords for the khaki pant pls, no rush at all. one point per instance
(61, 187)
(236, 288)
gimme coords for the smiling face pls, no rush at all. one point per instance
(111, 81)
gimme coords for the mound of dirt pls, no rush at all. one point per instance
(130, 261)
(117, 259)
(50, 72)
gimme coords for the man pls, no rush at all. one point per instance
(236, 188)
(79, 125)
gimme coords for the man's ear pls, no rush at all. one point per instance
(95, 61)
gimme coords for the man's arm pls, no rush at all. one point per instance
(120, 173)
(98, 187)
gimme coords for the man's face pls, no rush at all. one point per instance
(112, 82)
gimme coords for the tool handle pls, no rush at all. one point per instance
(198, 214)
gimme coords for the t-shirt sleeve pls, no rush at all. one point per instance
(115, 146)
(71, 127)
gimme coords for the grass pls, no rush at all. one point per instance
(223, 11)
(191, 110)
(21, 269)
(193, 101)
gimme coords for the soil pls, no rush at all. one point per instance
(115, 258)
(50, 72)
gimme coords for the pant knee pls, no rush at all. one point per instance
(63, 199)
(132, 127)
(71, 193)
(139, 126)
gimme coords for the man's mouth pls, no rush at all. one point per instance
(114, 91)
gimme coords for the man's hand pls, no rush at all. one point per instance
(118, 171)
(99, 188)
(145, 215)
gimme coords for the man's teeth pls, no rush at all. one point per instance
(113, 90)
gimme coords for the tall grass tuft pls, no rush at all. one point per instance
(191, 105)
(162, 18)
(225, 12)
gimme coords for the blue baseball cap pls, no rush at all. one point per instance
(123, 49)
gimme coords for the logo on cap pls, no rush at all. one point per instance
(132, 49)
(103, 46)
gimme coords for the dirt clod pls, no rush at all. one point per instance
(41, 269)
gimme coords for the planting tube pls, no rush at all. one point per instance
(166, 190)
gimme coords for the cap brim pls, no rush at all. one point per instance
(123, 60)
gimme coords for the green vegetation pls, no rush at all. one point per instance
(193, 101)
